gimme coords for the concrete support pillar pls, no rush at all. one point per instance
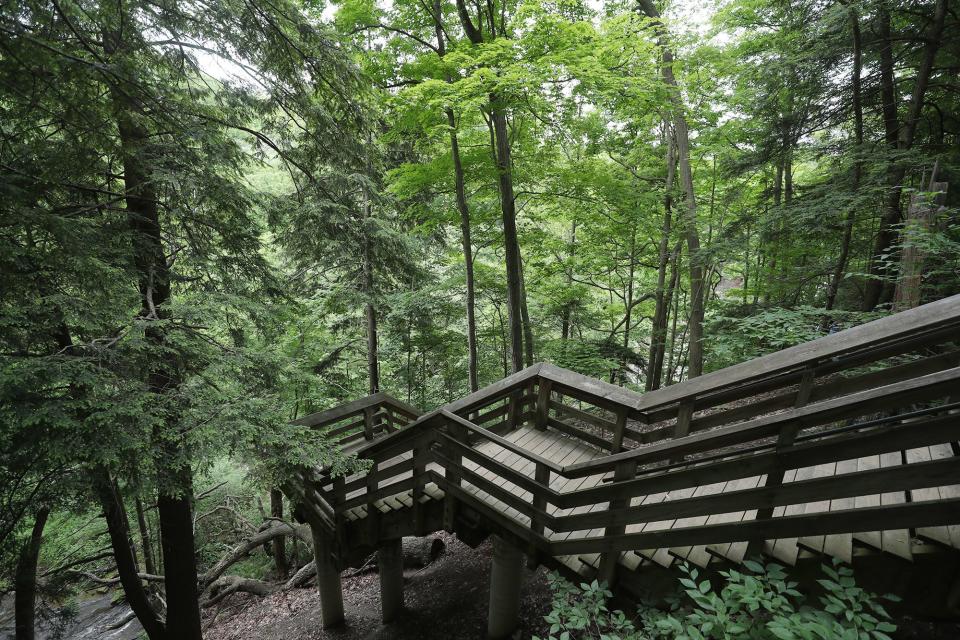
(328, 579)
(506, 576)
(390, 566)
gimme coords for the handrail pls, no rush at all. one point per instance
(923, 387)
(356, 407)
(503, 442)
(928, 317)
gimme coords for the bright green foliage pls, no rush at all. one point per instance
(758, 604)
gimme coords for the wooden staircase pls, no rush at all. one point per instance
(843, 447)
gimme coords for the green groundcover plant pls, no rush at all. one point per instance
(760, 603)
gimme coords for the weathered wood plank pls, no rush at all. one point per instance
(916, 513)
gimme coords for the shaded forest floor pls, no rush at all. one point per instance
(446, 599)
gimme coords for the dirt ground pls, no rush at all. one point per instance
(447, 599)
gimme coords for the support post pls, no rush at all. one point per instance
(624, 471)
(368, 423)
(506, 575)
(390, 567)
(328, 579)
(543, 403)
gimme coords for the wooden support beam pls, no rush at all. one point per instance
(328, 580)
(506, 578)
(390, 568)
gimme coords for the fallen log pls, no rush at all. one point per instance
(419, 552)
(276, 528)
(227, 585)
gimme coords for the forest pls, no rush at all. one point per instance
(220, 216)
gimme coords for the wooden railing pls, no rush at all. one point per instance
(874, 393)
(365, 418)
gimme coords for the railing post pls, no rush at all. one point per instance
(451, 473)
(626, 470)
(784, 439)
(543, 403)
(617, 445)
(684, 418)
(368, 423)
(420, 453)
(373, 514)
(542, 476)
(513, 411)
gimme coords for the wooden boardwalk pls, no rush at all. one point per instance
(565, 450)
(845, 446)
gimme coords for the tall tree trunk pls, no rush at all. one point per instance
(148, 564)
(567, 312)
(279, 548)
(136, 595)
(370, 311)
(525, 317)
(510, 239)
(502, 155)
(880, 286)
(464, 210)
(175, 477)
(682, 134)
(628, 317)
(841, 266)
(658, 332)
(467, 245)
(787, 166)
(25, 579)
(678, 293)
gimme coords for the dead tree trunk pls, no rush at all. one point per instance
(921, 216)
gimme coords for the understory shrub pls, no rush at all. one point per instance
(760, 603)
